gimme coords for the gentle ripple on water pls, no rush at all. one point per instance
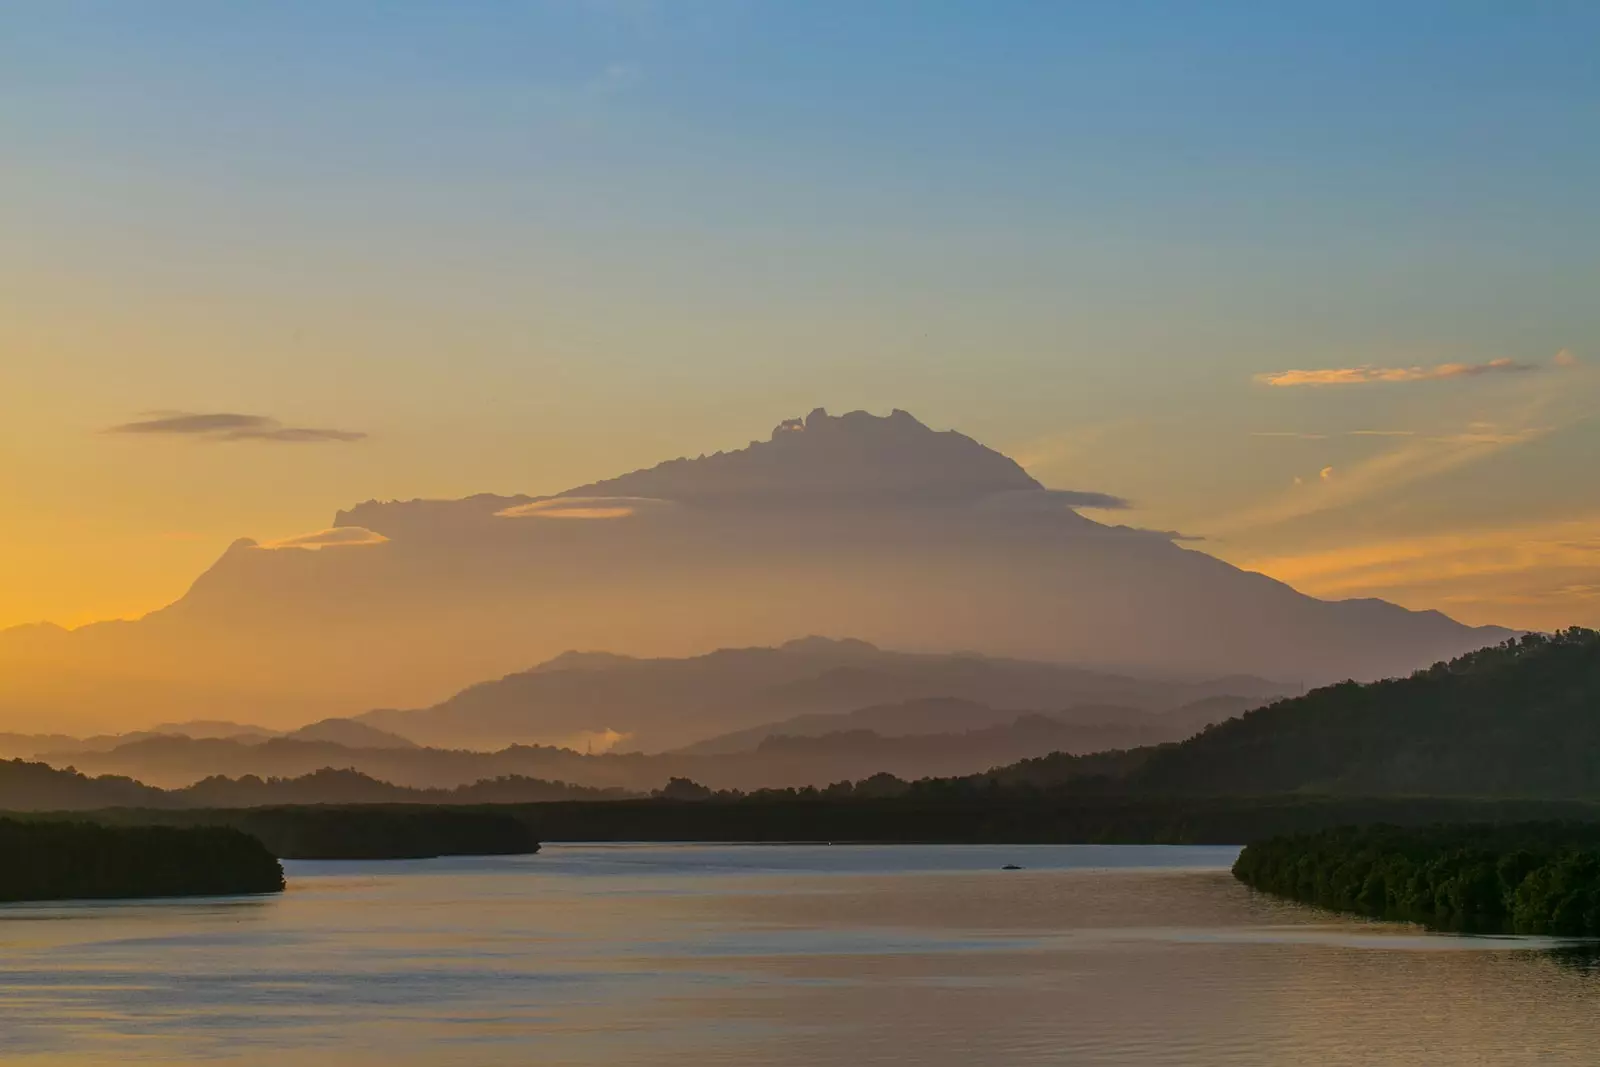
(652, 954)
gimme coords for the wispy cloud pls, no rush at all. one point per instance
(1550, 567)
(1297, 435)
(1368, 374)
(1413, 458)
(1084, 498)
(333, 537)
(1165, 535)
(1290, 434)
(231, 426)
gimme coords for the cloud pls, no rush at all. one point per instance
(296, 435)
(581, 507)
(1290, 433)
(195, 425)
(333, 537)
(1082, 498)
(1368, 374)
(1165, 535)
(1051, 501)
(231, 426)
(1296, 435)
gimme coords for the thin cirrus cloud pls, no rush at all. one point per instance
(1297, 436)
(1543, 573)
(1415, 458)
(1088, 498)
(230, 426)
(1369, 375)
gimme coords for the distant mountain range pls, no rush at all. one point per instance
(346, 733)
(26, 786)
(1001, 711)
(1515, 722)
(597, 699)
(879, 527)
(943, 745)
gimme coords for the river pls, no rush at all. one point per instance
(714, 954)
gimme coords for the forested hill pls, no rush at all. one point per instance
(1518, 719)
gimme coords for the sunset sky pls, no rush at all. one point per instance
(1316, 284)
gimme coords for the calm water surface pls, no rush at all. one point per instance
(622, 954)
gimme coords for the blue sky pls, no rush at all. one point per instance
(527, 245)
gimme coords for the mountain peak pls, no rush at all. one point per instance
(823, 456)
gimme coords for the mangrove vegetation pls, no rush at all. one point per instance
(1538, 878)
(44, 860)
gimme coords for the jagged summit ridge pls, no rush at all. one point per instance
(858, 456)
(837, 456)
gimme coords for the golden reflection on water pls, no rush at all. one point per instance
(774, 955)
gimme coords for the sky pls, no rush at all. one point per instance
(1317, 285)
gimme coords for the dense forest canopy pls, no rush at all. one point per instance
(78, 860)
(1518, 719)
(356, 831)
(1538, 878)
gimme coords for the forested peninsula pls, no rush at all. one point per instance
(44, 860)
(1539, 878)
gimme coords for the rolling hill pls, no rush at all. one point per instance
(1520, 719)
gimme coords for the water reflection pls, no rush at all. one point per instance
(778, 955)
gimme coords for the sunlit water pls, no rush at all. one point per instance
(776, 955)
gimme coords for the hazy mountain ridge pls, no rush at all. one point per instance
(875, 526)
(1108, 726)
(668, 703)
(774, 761)
(26, 786)
(56, 748)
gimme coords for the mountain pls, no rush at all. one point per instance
(880, 527)
(657, 704)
